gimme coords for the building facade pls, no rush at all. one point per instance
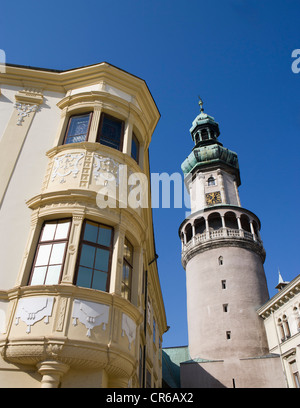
(281, 316)
(223, 256)
(80, 298)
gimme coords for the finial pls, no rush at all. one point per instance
(280, 280)
(201, 104)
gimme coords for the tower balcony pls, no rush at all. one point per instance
(214, 228)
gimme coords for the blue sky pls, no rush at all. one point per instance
(236, 54)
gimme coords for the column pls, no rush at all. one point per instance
(240, 226)
(117, 260)
(52, 372)
(252, 231)
(193, 232)
(72, 250)
(127, 137)
(95, 124)
(207, 228)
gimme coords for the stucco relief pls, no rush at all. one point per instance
(90, 314)
(65, 165)
(128, 328)
(34, 309)
(107, 168)
(23, 111)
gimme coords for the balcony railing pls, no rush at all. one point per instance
(219, 234)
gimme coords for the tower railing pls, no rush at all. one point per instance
(220, 233)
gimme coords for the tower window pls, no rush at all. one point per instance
(78, 128)
(223, 284)
(111, 132)
(225, 307)
(228, 335)
(220, 259)
(50, 253)
(211, 181)
(204, 134)
(94, 260)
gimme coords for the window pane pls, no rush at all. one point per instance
(78, 129)
(48, 232)
(102, 259)
(126, 274)
(43, 255)
(38, 275)
(90, 232)
(104, 237)
(125, 292)
(135, 148)
(62, 230)
(87, 256)
(99, 280)
(84, 277)
(57, 253)
(111, 132)
(128, 251)
(53, 274)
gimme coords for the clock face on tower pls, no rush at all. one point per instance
(213, 198)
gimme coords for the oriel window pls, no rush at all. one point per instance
(94, 260)
(50, 254)
(126, 283)
(78, 128)
(111, 132)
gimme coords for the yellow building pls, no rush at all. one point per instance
(80, 298)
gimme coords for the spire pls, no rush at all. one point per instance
(201, 104)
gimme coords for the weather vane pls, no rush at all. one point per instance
(201, 104)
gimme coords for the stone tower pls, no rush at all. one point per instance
(223, 256)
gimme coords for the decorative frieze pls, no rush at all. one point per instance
(65, 165)
(33, 309)
(90, 314)
(107, 168)
(128, 328)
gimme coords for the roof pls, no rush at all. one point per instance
(171, 359)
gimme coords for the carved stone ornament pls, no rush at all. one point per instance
(66, 165)
(128, 328)
(90, 314)
(107, 168)
(23, 111)
(32, 310)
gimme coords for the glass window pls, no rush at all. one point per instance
(50, 254)
(127, 270)
(93, 268)
(78, 128)
(135, 147)
(111, 132)
(211, 181)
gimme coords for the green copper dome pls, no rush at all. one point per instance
(207, 155)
